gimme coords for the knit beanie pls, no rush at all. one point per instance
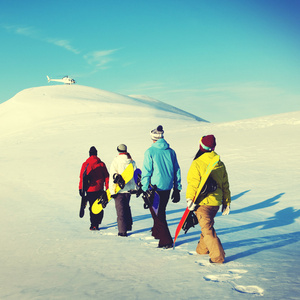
(122, 148)
(93, 151)
(208, 143)
(157, 133)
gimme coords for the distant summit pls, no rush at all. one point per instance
(49, 102)
(163, 106)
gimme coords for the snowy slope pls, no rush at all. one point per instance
(52, 103)
(47, 251)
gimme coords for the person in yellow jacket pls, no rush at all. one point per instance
(209, 204)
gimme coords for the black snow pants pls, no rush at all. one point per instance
(160, 229)
(91, 198)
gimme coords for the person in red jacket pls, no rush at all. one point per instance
(98, 177)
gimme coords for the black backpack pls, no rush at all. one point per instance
(209, 187)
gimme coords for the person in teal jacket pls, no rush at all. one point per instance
(161, 168)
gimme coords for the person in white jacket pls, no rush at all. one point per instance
(122, 198)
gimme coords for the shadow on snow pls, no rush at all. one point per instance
(281, 218)
(261, 244)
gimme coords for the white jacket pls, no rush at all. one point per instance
(118, 165)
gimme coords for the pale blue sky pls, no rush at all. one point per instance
(222, 60)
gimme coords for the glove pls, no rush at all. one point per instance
(118, 179)
(175, 196)
(139, 191)
(225, 209)
(190, 221)
(148, 197)
(104, 200)
(191, 205)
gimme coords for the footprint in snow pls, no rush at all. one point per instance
(250, 289)
(151, 244)
(107, 233)
(137, 235)
(236, 274)
(203, 262)
(221, 277)
(237, 271)
(148, 238)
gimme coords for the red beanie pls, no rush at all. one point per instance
(208, 143)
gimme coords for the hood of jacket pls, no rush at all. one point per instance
(93, 162)
(161, 144)
(207, 157)
(122, 158)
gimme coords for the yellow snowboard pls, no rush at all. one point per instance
(127, 176)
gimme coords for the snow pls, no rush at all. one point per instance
(48, 252)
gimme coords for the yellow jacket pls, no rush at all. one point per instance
(219, 174)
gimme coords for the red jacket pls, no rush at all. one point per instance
(98, 174)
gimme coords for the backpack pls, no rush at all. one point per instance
(209, 187)
(85, 181)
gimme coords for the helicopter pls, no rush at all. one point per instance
(65, 79)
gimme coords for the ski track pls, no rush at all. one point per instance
(202, 261)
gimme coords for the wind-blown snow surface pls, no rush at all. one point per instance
(48, 252)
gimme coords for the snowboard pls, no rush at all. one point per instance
(209, 169)
(83, 191)
(82, 206)
(155, 204)
(127, 175)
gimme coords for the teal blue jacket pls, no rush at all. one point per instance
(161, 167)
